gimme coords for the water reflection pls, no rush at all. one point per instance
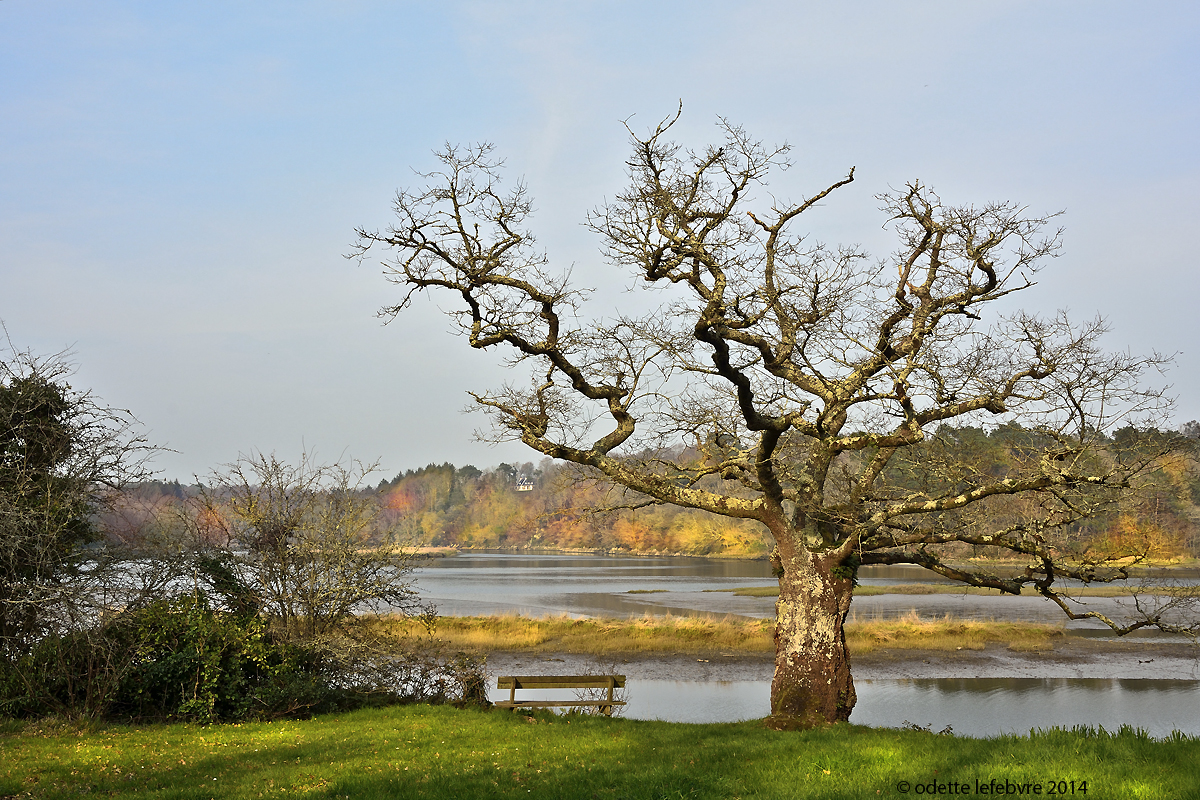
(682, 701)
(536, 585)
(897, 574)
(978, 707)
(480, 583)
(993, 706)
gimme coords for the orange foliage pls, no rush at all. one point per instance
(401, 499)
(1132, 535)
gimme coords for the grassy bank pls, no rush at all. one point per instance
(440, 752)
(670, 635)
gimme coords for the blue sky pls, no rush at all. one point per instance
(179, 182)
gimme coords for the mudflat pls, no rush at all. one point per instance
(1070, 658)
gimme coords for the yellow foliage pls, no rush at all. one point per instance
(1130, 535)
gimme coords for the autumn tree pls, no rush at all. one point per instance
(811, 378)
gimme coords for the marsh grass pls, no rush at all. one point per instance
(911, 632)
(693, 634)
(698, 634)
(441, 752)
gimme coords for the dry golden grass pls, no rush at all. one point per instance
(751, 591)
(645, 635)
(599, 636)
(692, 635)
(910, 632)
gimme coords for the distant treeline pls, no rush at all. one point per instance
(444, 505)
(441, 504)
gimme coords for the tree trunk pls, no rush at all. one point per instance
(812, 684)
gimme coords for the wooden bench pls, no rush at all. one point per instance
(514, 682)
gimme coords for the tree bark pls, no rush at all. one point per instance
(812, 684)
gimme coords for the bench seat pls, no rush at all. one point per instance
(515, 682)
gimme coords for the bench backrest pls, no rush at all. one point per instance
(560, 682)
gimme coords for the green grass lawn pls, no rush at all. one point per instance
(441, 752)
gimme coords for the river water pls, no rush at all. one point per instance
(969, 706)
(536, 585)
(585, 585)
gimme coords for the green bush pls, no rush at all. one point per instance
(76, 674)
(192, 663)
(181, 659)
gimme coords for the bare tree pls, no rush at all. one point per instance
(809, 378)
(308, 542)
(63, 457)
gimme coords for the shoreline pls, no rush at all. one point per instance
(1071, 658)
(702, 637)
(1177, 567)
